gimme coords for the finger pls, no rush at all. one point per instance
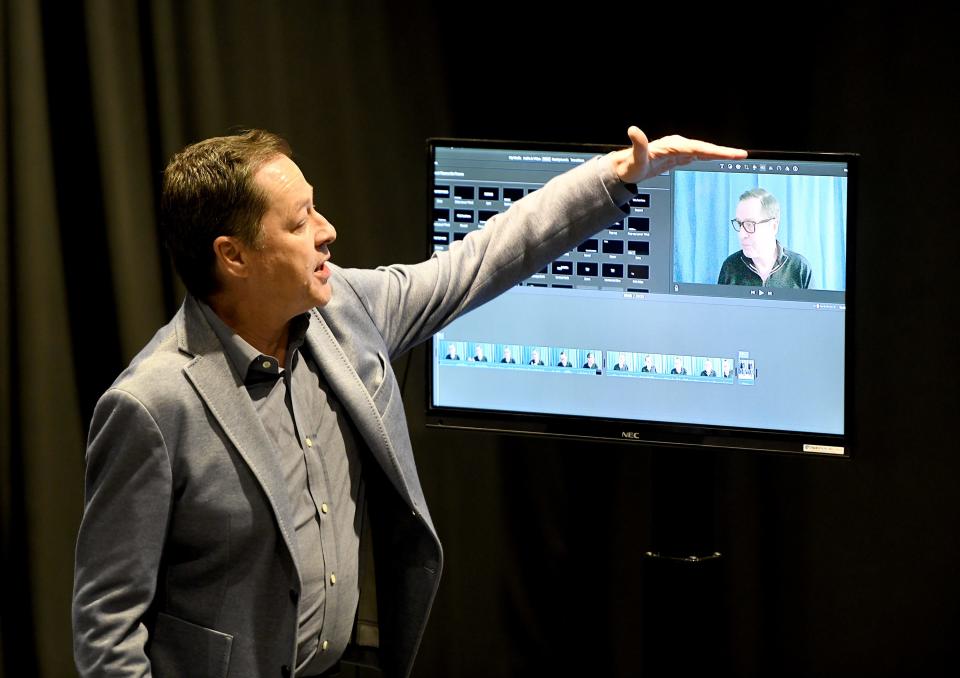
(703, 149)
(681, 146)
(639, 141)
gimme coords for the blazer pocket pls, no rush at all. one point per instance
(382, 395)
(179, 648)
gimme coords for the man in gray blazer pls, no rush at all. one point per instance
(253, 455)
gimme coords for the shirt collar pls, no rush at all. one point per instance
(781, 257)
(246, 361)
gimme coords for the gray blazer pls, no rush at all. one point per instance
(187, 563)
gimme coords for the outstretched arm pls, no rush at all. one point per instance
(645, 159)
(408, 303)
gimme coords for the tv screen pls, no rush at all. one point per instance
(715, 314)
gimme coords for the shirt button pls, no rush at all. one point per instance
(266, 364)
(324, 645)
(333, 579)
(309, 443)
(324, 508)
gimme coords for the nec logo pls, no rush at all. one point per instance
(632, 435)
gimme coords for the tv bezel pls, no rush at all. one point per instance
(672, 435)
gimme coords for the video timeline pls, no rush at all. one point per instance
(598, 362)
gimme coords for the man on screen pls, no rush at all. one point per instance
(452, 352)
(478, 356)
(648, 365)
(252, 505)
(535, 357)
(678, 367)
(621, 365)
(708, 370)
(762, 261)
(727, 368)
(508, 356)
(563, 362)
(590, 364)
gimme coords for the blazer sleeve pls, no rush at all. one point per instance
(408, 303)
(127, 500)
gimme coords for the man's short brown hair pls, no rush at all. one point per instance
(209, 191)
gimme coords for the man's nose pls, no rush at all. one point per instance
(325, 233)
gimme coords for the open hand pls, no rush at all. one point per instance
(645, 159)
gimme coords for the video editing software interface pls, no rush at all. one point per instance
(718, 300)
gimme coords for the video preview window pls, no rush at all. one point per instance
(760, 229)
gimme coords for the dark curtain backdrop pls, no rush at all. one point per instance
(94, 97)
(830, 567)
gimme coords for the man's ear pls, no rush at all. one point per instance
(776, 225)
(231, 256)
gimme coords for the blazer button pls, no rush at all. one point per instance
(285, 671)
(294, 596)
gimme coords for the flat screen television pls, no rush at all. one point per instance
(658, 329)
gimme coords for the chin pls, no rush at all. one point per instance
(323, 297)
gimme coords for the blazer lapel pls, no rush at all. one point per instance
(349, 388)
(228, 401)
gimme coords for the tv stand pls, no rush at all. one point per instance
(683, 619)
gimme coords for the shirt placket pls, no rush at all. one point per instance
(306, 424)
